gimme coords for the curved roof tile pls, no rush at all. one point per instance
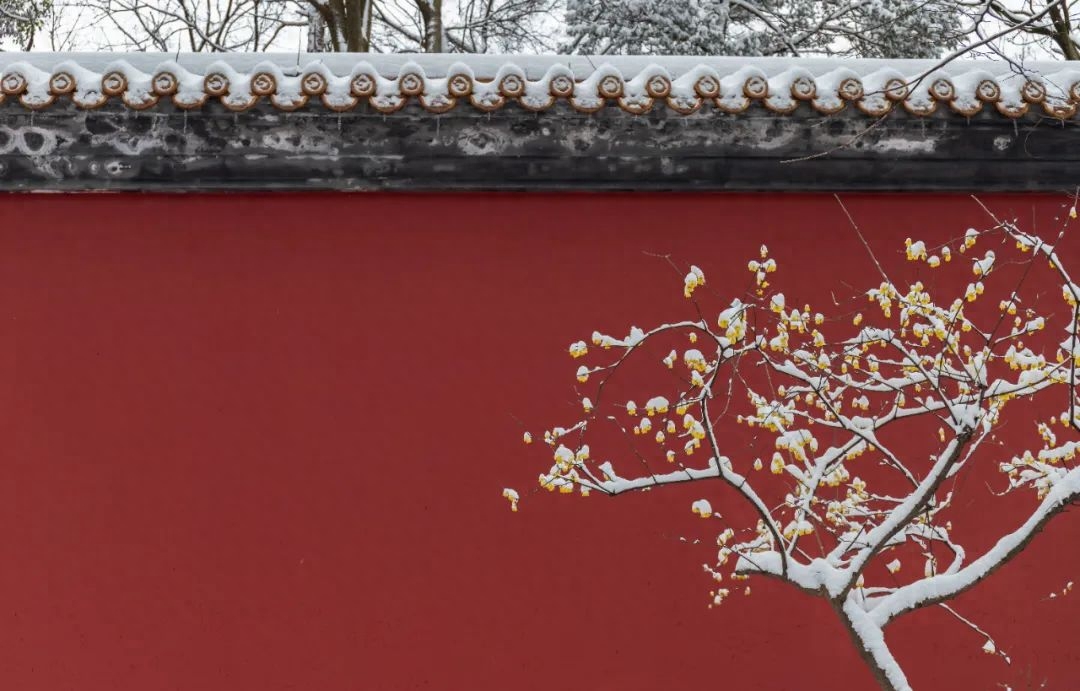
(537, 83)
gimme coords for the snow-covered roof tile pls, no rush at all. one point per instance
(387, 83)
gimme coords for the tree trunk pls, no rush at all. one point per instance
(1059, 16)
(356, 39)
(869, 640)
(316, 37)
(431, 13)
(348, 23)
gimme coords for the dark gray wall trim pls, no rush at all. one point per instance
(165, 149)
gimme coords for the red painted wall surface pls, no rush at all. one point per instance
(258, 442)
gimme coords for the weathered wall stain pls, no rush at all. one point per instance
(27, 140)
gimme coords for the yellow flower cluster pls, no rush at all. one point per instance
(836, 477)
(655, 405)
(1037, 470)
(781, 341)
(761, 269)
(693, 279)
(1020, 358)
(695, 360)
(796, 443)
(799, 528)
(777, 465)
(915, 250)
(605, 342)
(836, 512)
(982, 267)
(733, 321)
(694, 428)
(777, 303)
(884, 295)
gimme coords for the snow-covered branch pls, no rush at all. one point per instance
(944, 587)
(906, 396)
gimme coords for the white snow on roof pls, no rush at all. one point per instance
(537, 82)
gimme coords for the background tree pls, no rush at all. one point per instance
(837, 443)
(1042, 27)
(340, 25)
(20, 19)
(886, 28)
(431, 26)
(469, 26)
(853, 28)
(172, 25)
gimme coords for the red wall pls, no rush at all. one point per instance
(258, 442)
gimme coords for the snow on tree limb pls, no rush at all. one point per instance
(946, 586)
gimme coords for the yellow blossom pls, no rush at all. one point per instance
(702, 508)
(777, 465)
(693, 279)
